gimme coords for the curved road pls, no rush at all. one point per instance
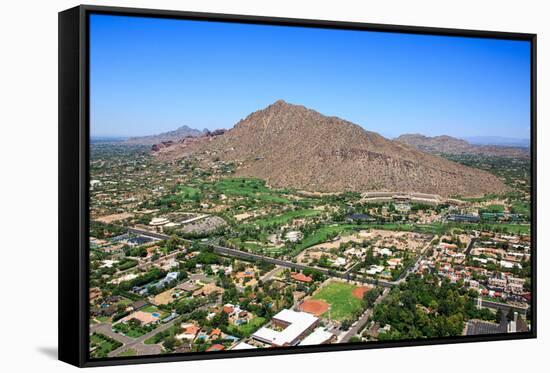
(134, 343)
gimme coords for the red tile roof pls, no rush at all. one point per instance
(216, 347)
(216, 332)
(192, 329)
(301, 277)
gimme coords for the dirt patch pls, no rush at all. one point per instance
(360, 291)
(315, 307)
(163, 298)
(114, 217)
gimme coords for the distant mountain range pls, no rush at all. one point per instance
(292, 146)
(175, 135)
(452, 145)
(498, 140)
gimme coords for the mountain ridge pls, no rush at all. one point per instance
(293, 146)
(174, 135)
(451, 145)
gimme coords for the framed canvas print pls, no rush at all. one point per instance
(235, 186)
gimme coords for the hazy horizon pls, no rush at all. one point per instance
(149, 76)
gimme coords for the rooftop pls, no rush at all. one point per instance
(299, 322)
(319, 336)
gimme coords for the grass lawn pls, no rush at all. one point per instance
(102, 345)
(286, 217)
(251, 188)
(323, 234)
(487, 197)
(522, 208)
(256, 247)
(493, 209)
(249, 328)
(150, 308)
(510, 228)
(133, 331)
(126, 264)
(188, 193)
(341, 300)
(160, 336)
(128, 352)
(126, 301)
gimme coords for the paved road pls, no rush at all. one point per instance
(352, 268)
(143, 232)
(279, 262)
(139, 346)
(246, 255)
(470, 246)
(283, 263)
(269, 275)
(149, 264)
(354, 330)
(504, 307)
(414, 267)
(106, 329)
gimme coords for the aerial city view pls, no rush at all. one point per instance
(258, 187)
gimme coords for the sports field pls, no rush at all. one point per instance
(314, 306)
(340, 297)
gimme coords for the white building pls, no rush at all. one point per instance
(293, 236)
(157, 222)
(318, 337)
(339, 261)
(374, 269)
(385, 251)
(291, 326)
(243, 346)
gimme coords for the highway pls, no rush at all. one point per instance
(279, 262)
(283, 263)
(143, 232)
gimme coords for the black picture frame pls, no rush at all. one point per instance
(73, 276)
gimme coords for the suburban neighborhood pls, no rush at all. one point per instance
(191, 259)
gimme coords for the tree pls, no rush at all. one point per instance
(498, 316)
(169, 343)
(172, 243)
(370, 297)
(345, 324)
(510, 314)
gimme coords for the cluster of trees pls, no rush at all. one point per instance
(420, 308)
(369, 298)
(314, 274)
(454, 239)
(188, 305)
(102, 230)
(135, 252)
(370, 259)
(205, 258)
(153, 275)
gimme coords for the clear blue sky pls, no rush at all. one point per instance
(153, 75)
